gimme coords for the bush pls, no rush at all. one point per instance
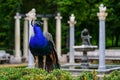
(33, 74)
(21, 73)
(87, 76)
(115, 75)
(57, 74)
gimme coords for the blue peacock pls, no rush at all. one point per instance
(43, 49)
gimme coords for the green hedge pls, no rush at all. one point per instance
(33, 74)
(21, 74)
(16, 73)
(87, 76)
(115, 75)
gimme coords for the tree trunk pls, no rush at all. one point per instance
(112, 40)
(117, 39)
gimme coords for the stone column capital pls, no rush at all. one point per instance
(72, 21)
(101, 15)
(102, 12)
(26, 18)
(44, 18)
(17, 16)
(31, 15)
(58, 16)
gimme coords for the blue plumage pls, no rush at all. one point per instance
(38, 40)
(40, 45)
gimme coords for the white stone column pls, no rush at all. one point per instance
(31, 16)
(58, 34)
(102, 16)
(17, 39)
(25, 40)
(72, 23)
(45, 24)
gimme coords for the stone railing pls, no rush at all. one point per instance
(112, 55)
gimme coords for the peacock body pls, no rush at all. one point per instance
(42, 47)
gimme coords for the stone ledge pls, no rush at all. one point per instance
(110, 54)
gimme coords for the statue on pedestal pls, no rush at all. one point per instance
(85, 37)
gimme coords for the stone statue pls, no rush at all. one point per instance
(102, 8)
(85, 37)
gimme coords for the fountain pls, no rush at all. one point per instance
(101, 68)
(85, 47)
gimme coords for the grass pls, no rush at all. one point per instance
(14, 65)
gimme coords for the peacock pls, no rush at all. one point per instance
(43, 49)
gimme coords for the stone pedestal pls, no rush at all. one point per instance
(84, 61)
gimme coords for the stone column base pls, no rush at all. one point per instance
(63, 59)
(15, 59)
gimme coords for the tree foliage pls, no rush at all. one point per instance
(7, 11)
(85, 12)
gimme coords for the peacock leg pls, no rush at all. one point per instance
(36, 61)
(44, 61)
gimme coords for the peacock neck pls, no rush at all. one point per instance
(38, 31)
(39, 38)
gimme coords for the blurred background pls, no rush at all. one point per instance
(85, 12)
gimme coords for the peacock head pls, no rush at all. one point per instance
(38, 23)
